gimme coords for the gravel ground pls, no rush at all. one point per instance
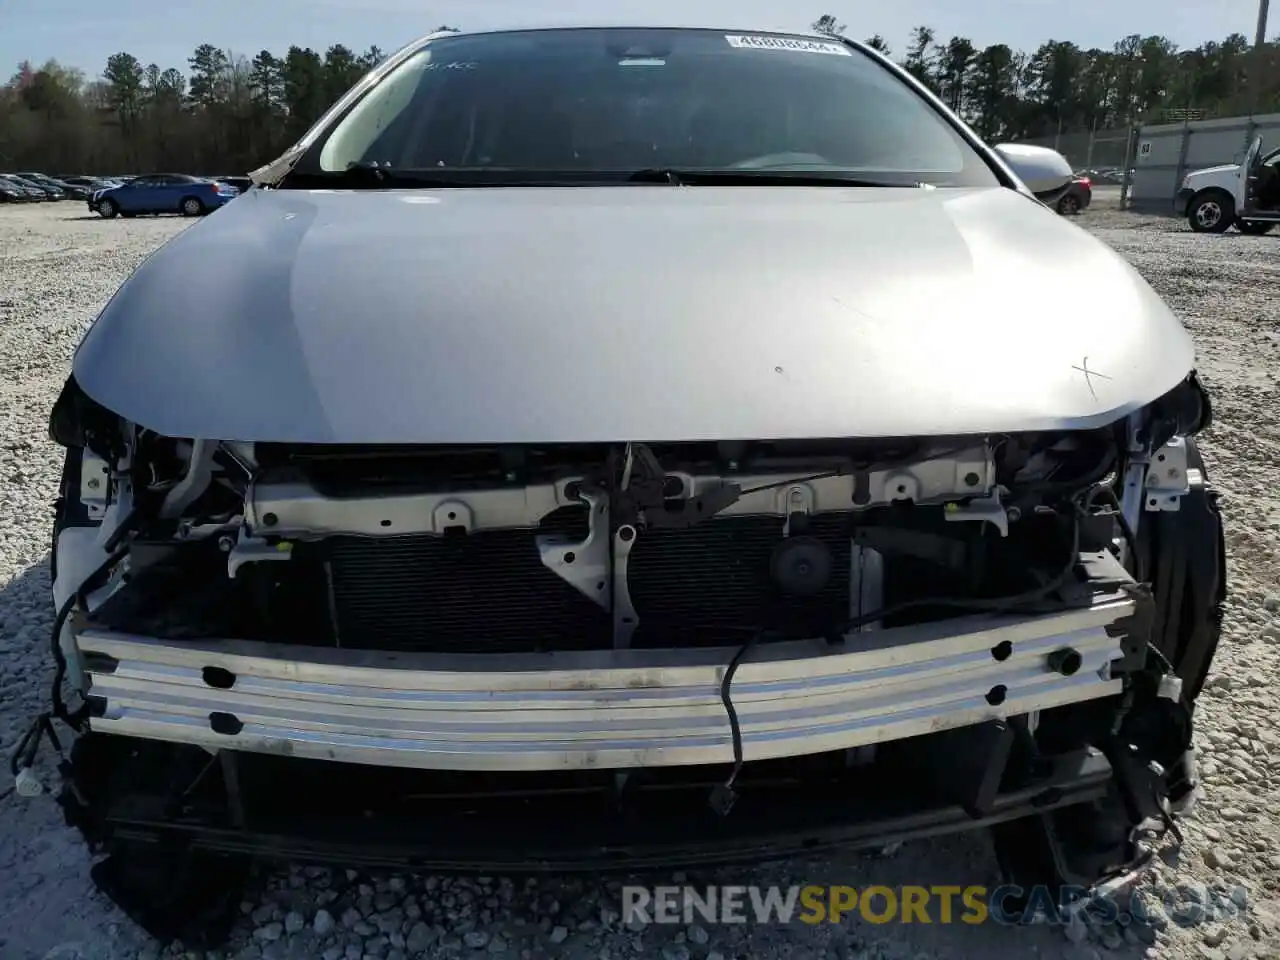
(57, 267)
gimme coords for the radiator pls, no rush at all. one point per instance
(489, 592)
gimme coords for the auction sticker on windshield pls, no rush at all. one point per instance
(794, 44)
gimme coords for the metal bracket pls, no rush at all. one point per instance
(451, 515)
(866, 584)
(249, 549)
(625, 620)
(983, 509)
(585, 565)
(95, 484)
(1167, 477)
(792, 500)
(196, 480)
(1134, 475)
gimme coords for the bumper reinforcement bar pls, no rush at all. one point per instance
(600, 709)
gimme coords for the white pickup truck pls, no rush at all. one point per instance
(1245, 194)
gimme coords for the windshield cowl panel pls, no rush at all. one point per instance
(621, 105)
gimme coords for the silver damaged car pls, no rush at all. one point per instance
(625, 446)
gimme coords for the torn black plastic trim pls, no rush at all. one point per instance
(1186, 554)
(1185, 411)
(77, 421)
(130, 791)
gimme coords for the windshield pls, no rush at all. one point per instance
(596, 104)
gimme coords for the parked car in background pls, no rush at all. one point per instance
(162, 193)
(66, 189)
(1112, 176)
(90, 184)
(50, 192)
(429, 568)
(242, 184)
(12, 193)
(1246, 195)
(26, 191)
(1078, 196)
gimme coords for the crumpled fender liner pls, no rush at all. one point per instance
(172, 890)
(175, 893)
(1186, 557)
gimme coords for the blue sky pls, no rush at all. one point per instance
(82, 33)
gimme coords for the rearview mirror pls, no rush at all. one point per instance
(1043, 170)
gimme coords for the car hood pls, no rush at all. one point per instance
(658, 313)
(1213, 171)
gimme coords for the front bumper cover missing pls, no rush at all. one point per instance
(616, 709)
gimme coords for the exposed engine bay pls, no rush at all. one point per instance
(497, 551)
(586, 547)
(1000, 626)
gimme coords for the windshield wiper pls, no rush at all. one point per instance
(799, 178)
(366, 175)
(370, 175)
(657, 175)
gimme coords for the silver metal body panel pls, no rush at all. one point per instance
(606, 709)
(645, 312)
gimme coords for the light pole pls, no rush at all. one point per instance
(1259, 44)
(1131, 105)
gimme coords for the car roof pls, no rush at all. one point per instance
(551, 24)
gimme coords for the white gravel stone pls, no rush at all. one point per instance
(1217, 858)
(420, 938)
(270, 932)
(1075, 930)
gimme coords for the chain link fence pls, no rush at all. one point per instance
(1095, 150)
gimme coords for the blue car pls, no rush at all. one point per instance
(162, 193)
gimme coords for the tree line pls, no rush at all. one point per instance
(228, 113)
